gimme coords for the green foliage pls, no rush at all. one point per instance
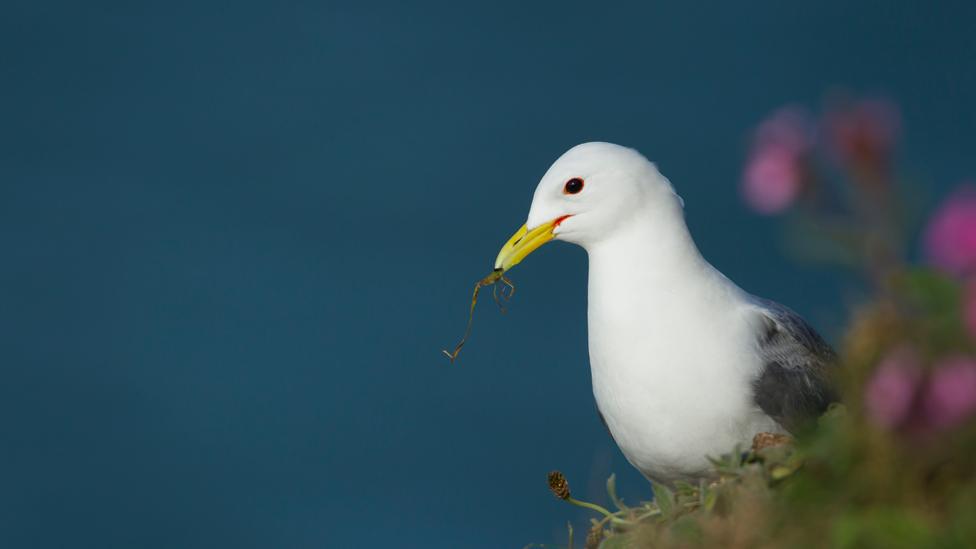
(848, 483)
(801, 496)
(931, 306)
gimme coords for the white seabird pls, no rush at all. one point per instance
(685, 364)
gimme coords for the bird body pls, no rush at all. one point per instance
(671, 354)
(685, 365)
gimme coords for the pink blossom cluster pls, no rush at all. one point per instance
(774, 174)
(950, 240)
(859, 137)
(901, 395)
(950, 244)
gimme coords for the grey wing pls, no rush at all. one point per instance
(793, 386)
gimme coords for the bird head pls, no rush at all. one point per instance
(586, 196)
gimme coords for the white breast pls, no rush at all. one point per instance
(672, 359)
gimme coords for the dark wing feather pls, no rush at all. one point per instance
(793, 386)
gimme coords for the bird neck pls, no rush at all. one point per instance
(650, 292)
(653, 250)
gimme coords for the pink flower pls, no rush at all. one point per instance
(774, 174)
(950, 396)
(969, 307)
(890, 393)
(863, 134)
(772, 180)
(950, 239)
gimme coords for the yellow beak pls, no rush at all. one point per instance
(524, 242)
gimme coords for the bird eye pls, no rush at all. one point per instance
(573, 186)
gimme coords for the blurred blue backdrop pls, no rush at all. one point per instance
(236, 236)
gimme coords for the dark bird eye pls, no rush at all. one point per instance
(573, 186)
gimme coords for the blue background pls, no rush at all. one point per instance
(235, 237)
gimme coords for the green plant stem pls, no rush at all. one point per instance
(594, 507)
(648, 515)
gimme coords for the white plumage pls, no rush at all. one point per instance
(684, 364)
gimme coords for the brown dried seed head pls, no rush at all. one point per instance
(558, 485)
(594, 537)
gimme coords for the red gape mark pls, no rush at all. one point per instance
(559, 220)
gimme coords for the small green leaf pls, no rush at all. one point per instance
(710, 498)
(612, 492)
(684, 488)
(664, 498)
(780, 472)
